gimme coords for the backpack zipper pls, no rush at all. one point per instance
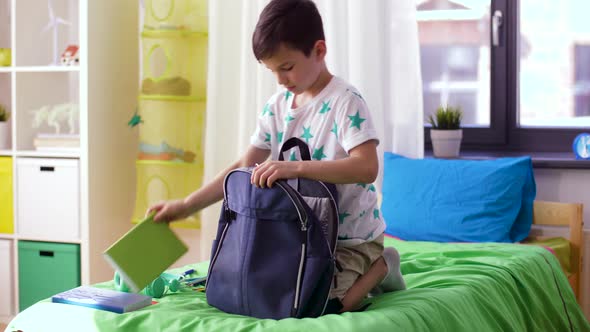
(298, 205)
(220, 241)
(303, 220)
(299, 275)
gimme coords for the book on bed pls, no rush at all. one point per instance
(144, 252)
(103, 299)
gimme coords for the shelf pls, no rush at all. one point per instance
(34, 45)
(35, 85)
(46, 69)
(38, 94)
(47, 154)
(40, 69)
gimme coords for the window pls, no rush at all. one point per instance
(581, 88)
(455, 58)
(519, 69)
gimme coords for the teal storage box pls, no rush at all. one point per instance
(45, 269)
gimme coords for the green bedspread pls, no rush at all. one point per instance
(451, 287)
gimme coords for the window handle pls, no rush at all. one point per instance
(496, 25)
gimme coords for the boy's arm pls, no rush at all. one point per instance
(210, 193)
(361, 166)
(213, 191)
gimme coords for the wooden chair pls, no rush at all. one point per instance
(567, 215)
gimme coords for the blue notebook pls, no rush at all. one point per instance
(103, 299)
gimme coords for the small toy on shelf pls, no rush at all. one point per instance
(53, 116)
(3, 113)
(5, 57)
(4, 128)
(164, 152)
(174, 86)
(70, 57)
(54, 22)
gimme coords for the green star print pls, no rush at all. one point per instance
(280, 137)
(356, 120)
(335, 129)
(325, 107)
(306, 134)
(267, 110)
(288, 94)
(267, 139)
(293, 157)
(341, 217)
(289, 118)
(318, 154)
(376, 213)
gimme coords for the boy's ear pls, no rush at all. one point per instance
(320, 49)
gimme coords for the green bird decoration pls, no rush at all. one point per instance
(135, 120)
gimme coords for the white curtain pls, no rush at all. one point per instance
(371, 43)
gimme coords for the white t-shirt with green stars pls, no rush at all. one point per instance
(332, 123)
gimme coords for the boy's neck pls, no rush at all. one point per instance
(321, 82)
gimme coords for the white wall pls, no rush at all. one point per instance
(570, 186)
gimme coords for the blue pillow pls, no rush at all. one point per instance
(458, 200)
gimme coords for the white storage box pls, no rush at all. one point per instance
(48, 199)
(6, 273)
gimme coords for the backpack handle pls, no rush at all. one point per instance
(293, 142)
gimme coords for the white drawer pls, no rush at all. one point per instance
(6, 273)
(48, 197)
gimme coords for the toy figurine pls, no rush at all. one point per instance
(53, 116)
(70, 56)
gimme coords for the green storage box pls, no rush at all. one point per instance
(45, 269)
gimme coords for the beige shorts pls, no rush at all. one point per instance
(354, 262)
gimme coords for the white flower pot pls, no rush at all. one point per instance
(4, 135)
(446, 143)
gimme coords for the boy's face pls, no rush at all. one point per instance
(293, 70)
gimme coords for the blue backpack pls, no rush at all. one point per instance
(274, 253)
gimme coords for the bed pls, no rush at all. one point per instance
(451, 287)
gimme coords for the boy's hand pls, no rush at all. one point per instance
(267, 173)
(169, 211)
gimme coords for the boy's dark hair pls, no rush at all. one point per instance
(297, 23)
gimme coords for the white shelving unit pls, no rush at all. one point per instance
(83, 197)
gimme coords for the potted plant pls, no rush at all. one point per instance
(4, 126)
(446, 132)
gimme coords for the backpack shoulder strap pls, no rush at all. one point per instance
(295, 142)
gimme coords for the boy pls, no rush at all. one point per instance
(331, 116)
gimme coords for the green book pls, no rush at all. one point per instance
(146, 251)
